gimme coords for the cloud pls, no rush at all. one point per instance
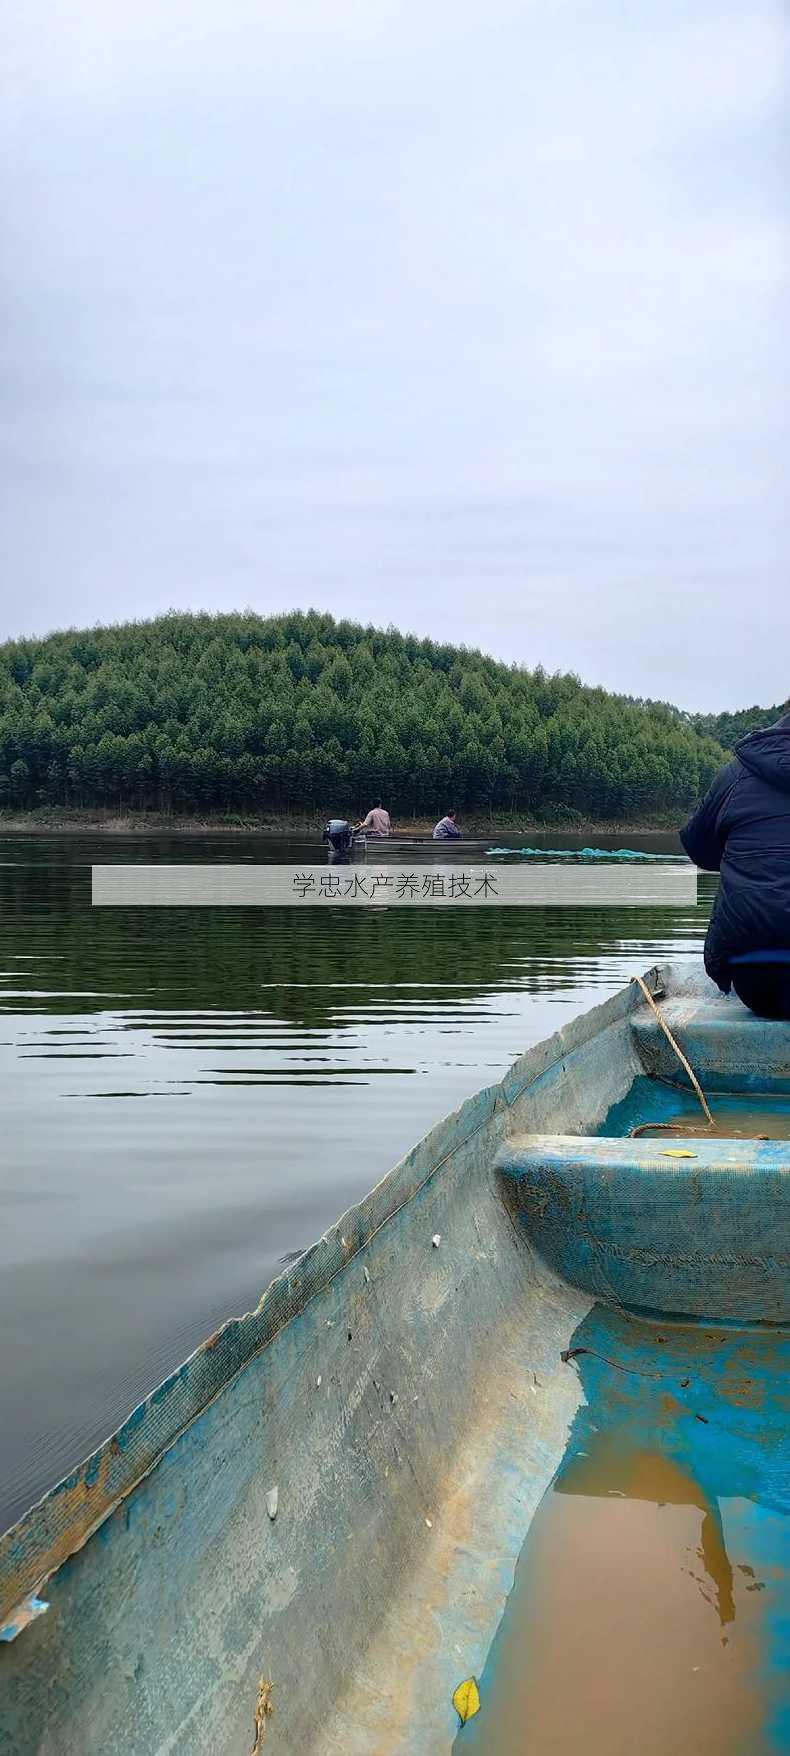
(473, 322)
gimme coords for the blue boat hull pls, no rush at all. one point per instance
(331, 1495)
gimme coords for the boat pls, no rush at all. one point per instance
(394, 846)
(360, 845)
(309, 1539)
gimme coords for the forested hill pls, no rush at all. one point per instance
(727, 728)
(240, 713)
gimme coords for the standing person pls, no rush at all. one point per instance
(447, 828)
(742, 830)
(377, 821)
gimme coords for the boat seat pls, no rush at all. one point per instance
(696, 1227)
(729, 1048)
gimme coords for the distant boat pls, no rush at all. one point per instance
(304, 1541)
(367, 847)
(389, 848)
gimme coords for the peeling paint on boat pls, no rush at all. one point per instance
(411, 1403)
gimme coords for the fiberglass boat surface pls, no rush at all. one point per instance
(323, 1511)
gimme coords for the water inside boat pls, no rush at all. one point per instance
(730, 1122)
(652, 1109)
(646, 1608)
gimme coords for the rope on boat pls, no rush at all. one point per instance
(678, 1051)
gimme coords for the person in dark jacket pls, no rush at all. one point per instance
(742, 830)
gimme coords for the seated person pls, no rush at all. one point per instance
(447, 828)
(742, 830)
(377, 821)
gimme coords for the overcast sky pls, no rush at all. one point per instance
(471, 318)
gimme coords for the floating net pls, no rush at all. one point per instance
(585, 854)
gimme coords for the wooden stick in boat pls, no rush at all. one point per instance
(678, 1051)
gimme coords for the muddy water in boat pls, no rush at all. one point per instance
(655, 1108)
(731, 1121)
(645, 1614)
(614, 1612)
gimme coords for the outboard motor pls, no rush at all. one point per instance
(339, 835)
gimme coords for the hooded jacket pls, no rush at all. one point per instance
(742, 830)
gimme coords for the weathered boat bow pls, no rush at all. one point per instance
(330, 1496)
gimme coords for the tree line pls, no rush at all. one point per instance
(727, 728)
(227, 713)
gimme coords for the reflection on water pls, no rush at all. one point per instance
(307, 1052)
(655, 1480)
(609, 1630)
(649, 1608)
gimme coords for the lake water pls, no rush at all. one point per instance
(192, 1095)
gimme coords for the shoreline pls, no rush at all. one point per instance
(96, 822)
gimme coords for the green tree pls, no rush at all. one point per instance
(244, 712)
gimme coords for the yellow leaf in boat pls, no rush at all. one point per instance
(466, 1700)
(677, 1152)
